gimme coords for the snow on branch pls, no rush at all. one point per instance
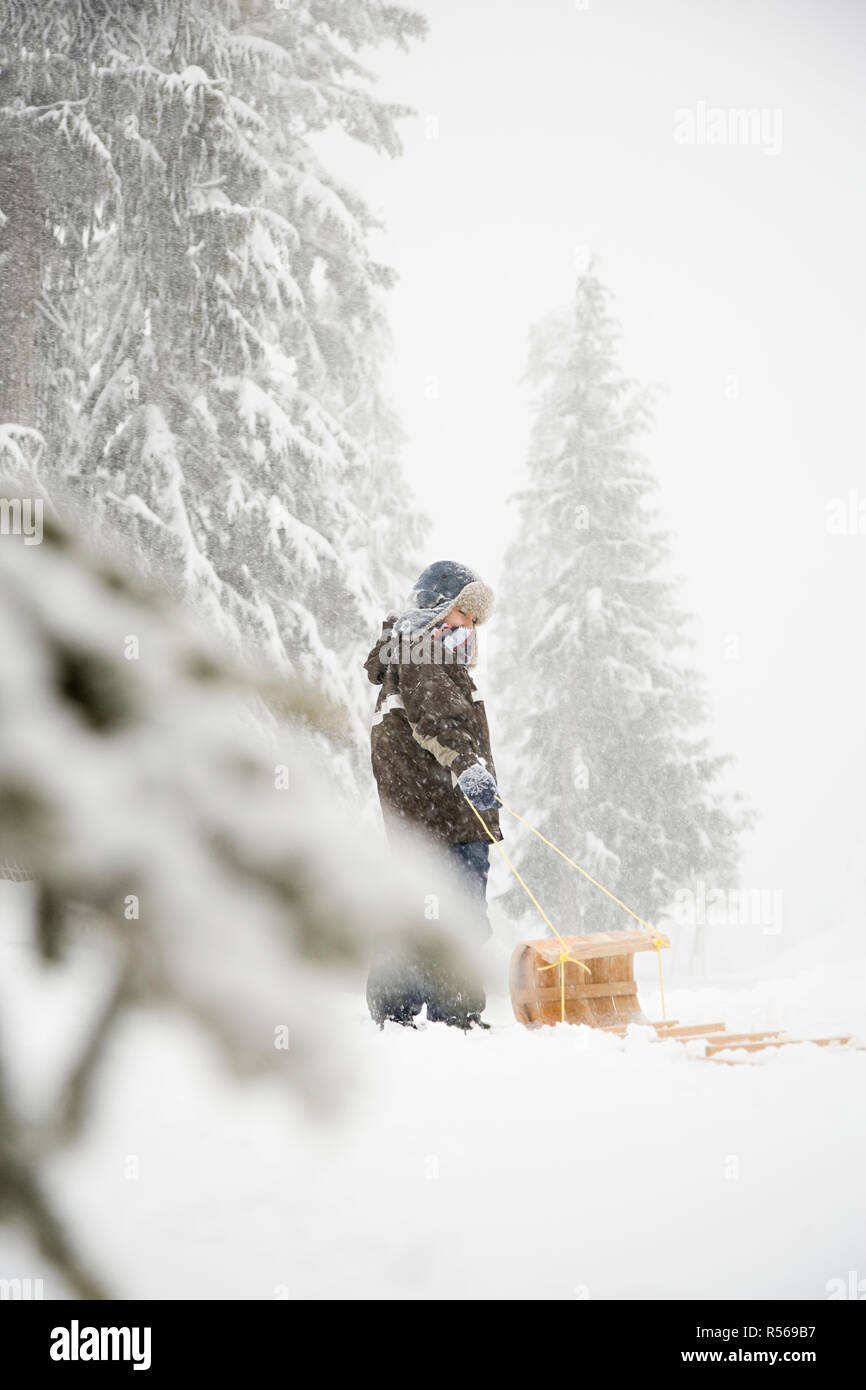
(205, 861)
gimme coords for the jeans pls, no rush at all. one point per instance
(399, 984)
(473, 864)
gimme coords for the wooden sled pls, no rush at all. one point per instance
(548, 986)
(541, 982)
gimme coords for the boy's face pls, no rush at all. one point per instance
(458, 618)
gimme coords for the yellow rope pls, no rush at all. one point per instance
(574, 865)
(560, 939)
(658, 940)
(564, 954)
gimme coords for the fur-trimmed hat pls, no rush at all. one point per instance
(446, 584)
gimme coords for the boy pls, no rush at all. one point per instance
(430, 751)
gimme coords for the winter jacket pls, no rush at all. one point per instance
(429, 726)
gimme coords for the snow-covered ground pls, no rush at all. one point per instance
(561, 1163)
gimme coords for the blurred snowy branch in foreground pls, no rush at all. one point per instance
(207, 857)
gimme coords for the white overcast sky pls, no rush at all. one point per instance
(548, 126)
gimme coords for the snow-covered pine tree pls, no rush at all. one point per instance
(604, 750)
(208, 307)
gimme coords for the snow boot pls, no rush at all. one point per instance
(457, 1002)
(395, 990)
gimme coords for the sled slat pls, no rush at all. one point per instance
(554, 992)
(595, 945)
(688, 1030)
(721, 1046)
(725, 1039)
(671, 1029)
(621, 1027)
